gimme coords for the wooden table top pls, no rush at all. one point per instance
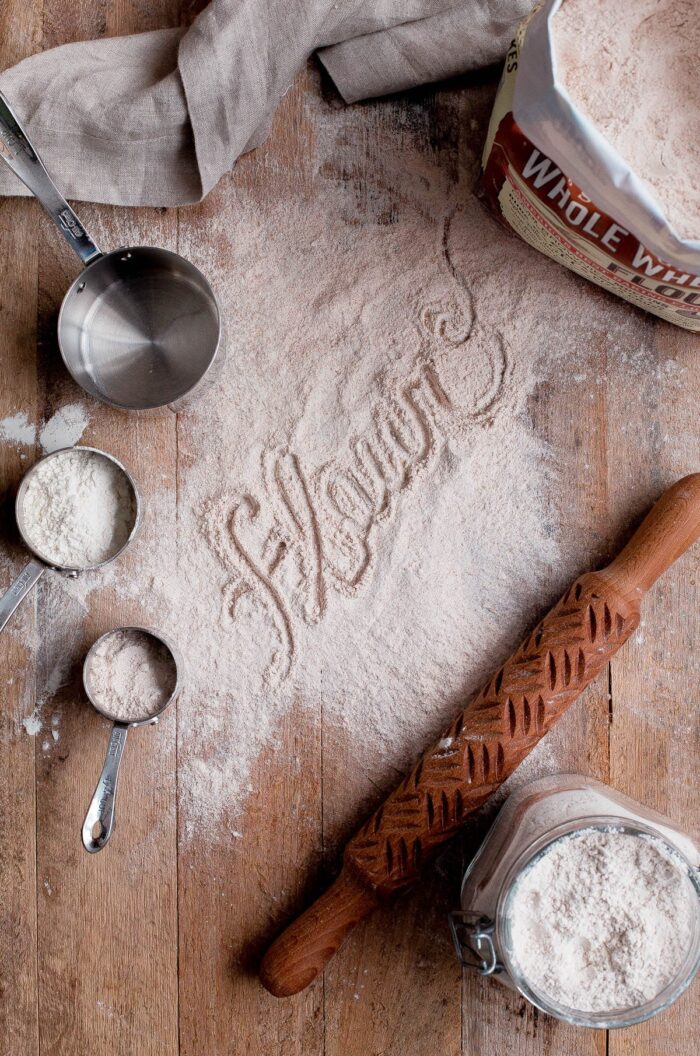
(96, 958)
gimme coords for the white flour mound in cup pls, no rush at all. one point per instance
(78, 509)
(131, 675)
(603, 920)
(631, 66)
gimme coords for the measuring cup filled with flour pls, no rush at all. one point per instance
(131, 675)
(584, 901)
(76, 509)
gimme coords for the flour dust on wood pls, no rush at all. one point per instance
(366, 522)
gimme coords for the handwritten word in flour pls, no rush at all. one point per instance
(315, 530)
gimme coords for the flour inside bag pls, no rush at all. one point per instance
(560, 168)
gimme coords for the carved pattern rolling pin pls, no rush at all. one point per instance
(488, 740)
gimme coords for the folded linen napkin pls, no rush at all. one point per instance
(157, 118)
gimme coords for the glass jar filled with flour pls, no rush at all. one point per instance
(584, 901)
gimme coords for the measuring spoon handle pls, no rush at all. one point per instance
(99, 820)
(17, 152)
(29, 575)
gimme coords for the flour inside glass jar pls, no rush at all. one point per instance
(602, 920)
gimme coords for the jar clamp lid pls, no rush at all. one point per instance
(473, 938)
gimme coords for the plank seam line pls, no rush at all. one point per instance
(35, 603)
(177, 723)
(323, 859)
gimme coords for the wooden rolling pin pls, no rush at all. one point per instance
(485, 743)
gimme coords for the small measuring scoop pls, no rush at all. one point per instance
(100, 818)
(41, 561)
(140, 327)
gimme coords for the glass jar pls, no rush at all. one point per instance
(530, 820)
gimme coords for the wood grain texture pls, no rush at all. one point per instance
(153, 949)
(235, 892)
(655, 727)
(368, 1007)
(19, 1027)
(107, 924)
(495, 1019)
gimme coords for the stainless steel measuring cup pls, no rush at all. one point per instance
(100, 818)
(33, 571)
(140, 327)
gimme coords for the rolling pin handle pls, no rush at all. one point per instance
(670, 527)
(303, 950)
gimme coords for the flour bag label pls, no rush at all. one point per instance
(556, 181)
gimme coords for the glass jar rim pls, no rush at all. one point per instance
(609, 1018)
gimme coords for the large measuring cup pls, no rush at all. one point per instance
(35, 569)
(140, 328)
(100, 818)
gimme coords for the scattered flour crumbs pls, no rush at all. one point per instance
(64, 429)
(366, 521)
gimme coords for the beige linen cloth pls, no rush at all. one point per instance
(157, 118)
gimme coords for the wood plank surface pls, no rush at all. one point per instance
(655, 685)
(234, 899)
(150, 948)
(107, 922)
(19, 1027)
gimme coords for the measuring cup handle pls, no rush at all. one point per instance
(19, 589)
(103, 803)
(17, 152)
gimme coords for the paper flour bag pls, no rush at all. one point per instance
(555, 180)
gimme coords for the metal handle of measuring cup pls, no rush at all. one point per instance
(99, 820)
(472, 935)
(29, 575)
(17, 152)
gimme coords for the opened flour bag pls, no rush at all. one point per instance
(593, 150)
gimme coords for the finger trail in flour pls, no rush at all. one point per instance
(261, 583)
(403, 629)
(322, 522)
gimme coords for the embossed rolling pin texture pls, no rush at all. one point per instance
(500, 725)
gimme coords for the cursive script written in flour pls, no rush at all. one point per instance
(309, 532)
